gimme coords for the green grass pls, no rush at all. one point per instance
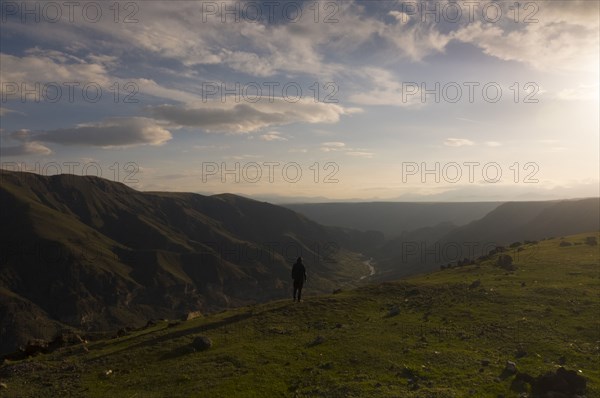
(347, 345)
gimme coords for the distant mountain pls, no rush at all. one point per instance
(97, 255)
(515, 221)
(424, 235)
(393, 218)
(426, 249)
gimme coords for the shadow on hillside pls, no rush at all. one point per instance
(202, 328)
(180, 333)
(177, 352)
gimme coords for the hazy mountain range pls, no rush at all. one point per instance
(393, 218)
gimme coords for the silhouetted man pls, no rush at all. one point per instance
(299, 276)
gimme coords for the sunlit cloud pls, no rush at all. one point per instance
(458, 142)
(272, 136)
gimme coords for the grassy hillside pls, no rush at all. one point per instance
(444, 334)
(425, 249)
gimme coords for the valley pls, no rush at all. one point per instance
(450, 333)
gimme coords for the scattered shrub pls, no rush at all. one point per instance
(591, 240)
(505, 261)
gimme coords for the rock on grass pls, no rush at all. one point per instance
(202, 343)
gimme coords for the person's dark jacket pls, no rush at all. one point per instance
(298, 272)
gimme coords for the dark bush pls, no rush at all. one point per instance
(591, 240)
(505, 261)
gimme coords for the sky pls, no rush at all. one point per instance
(301, 101)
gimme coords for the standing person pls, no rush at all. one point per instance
(299, 276)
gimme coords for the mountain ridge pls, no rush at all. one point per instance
(111, 256)
(392, 218)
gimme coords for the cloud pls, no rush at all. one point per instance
(6, 111)
(257, 49)
(579, 93)
(332, 146)
(182, 33)
(360, 154)
(493, 143)
(337, 146)
(251, 117)
(22, 135)
(112, 132)
(43, 66)
(241, 118)
(272, 136)
(27, 148)
(387, 90)
(72, 73)
(564, 38)
(414, 38)
(458, 142)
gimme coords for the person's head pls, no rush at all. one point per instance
(299, 260)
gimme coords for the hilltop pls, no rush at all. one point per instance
(448, 333)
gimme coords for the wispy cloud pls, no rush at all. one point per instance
(360, 154)
(6, 111)
(338, 146)
(272, 136)
(458, 142)
(332, 146)
(562, 38)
